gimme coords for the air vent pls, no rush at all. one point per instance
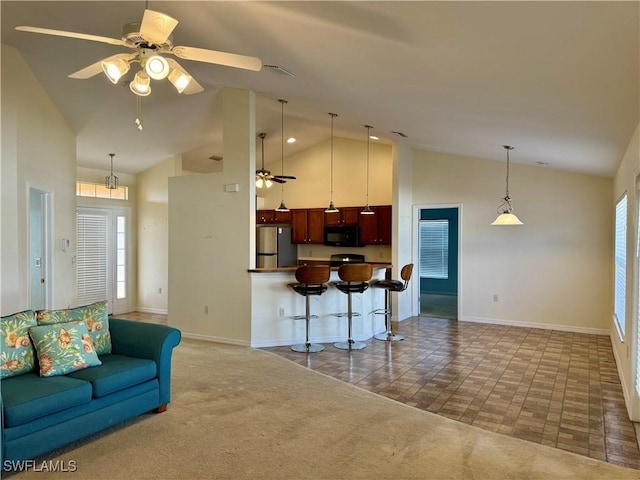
(215, 158)
(400, 134)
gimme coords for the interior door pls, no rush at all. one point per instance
(38, 249)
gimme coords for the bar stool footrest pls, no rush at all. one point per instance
(345, 314)
(304, 317)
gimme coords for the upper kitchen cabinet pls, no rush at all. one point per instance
(376, 229)
(307, 225)
(272, 216)
(345, 216)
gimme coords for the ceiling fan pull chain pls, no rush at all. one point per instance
(138, 121)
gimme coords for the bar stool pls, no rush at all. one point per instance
(391, 286)
(312, 280)
(355, 278)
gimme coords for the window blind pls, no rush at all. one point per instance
(91, 258)
(434, 249)
(620, 254)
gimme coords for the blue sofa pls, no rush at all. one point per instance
(40, 414)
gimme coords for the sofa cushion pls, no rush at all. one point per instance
(96, 317)
(63, 348)
(117, 372)
(17, 355)
(28, 397)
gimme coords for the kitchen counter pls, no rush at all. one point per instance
(274, 304)
(311, 262)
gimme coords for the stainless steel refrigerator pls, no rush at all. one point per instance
(274, 248)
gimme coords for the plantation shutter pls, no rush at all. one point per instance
(91, 258)
(434, 249)
(620, 264)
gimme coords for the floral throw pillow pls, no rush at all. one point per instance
(17, 355)
(95, 316)
(63, 348)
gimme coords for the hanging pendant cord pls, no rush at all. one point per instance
(333, 115)
(282, 102)
(368, 127)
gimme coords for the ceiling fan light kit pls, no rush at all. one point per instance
(140, 85)
(156, 67)
(115, 69)
(505, 209)
(179, 80)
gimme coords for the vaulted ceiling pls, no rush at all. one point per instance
(557, 80)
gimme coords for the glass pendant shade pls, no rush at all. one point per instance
(115, 69)
(507, 219)
(367, 210)
(331, 208)
(156, 67)
(282, 207)
(140, 85)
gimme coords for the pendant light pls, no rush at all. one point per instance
(332, 208)
(367, 209)
(282, 207)
(111, 181)
(505, 210)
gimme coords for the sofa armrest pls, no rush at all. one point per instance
(147, 340)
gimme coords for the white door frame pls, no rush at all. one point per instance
(47, 243)
(416, 252)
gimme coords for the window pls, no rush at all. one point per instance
(121, 255)
(434, 249)
(86, 189)
(620, 260)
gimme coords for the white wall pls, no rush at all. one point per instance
(38, 150)
(626, 349)
(553, 271)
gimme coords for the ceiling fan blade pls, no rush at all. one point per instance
(277, 180)
(96, 68)
(156, 26)
(194, 86)
(287, 177)
(219, 58)
(82, 36)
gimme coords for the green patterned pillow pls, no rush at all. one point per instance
(95, 316)
(17, 350)
(63, 348)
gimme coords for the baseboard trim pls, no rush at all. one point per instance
(159, 311)
(544, 326)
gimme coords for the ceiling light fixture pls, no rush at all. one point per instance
(262, 175)
(332, 208)
(505, 210)
(367, 209)
(282, 207)
(179, 79)
(111, 181)
(156, 67)
(140, 85)
(291, 140)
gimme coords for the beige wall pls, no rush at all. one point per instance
(626, 348)
(211, 235)
(38, 150)
(553, 271)
(153, 235)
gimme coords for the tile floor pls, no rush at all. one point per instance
(554, 388)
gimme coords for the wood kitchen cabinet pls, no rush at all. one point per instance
(271, 216)
(376, 229)
(346, 216)
(307, 225)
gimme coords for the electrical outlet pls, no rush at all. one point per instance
(495, 297)
(281, 312)
(206, 309)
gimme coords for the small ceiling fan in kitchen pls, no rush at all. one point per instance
(151, 40)
(263, 176)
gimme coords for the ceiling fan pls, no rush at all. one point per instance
(263, 176)
(150, 40)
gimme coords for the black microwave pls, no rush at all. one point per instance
(342, 235)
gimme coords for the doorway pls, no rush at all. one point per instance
(438, 234)
(39, 249)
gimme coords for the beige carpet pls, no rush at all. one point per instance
(240, 413)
